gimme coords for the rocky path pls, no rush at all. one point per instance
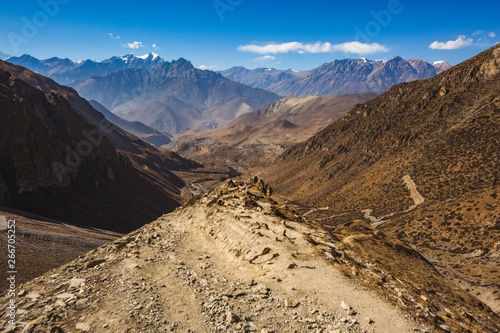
(234, 267)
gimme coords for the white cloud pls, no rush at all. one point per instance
(360, 48)
(318, 47)
(133, 46)
(207, 67)
(265, 58)
(154, 46)
(459, 43)
(492, 34)
(113, 36)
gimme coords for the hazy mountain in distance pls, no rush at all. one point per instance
(174, 96)
(137, 128)
(60, 158)
(441, 66)
(258, 78)
(66, 71)
(347, 76)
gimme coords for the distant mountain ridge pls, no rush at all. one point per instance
(261, 77)
(254, 139)
(168, 96)
(346, 76)
(66, 71)
(174, 96)
(137, 128)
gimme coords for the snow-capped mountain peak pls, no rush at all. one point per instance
(151, 55)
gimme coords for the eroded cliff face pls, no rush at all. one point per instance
(491, 66)
(238, 259)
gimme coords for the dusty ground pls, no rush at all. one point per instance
(474, 271)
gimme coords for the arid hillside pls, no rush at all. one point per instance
(421, 162)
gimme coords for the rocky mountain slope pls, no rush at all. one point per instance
(255, 139)
(174, 96)
(61, 158)
(168, 96)
(347, 76)
(421, 162)
(238, 260)
(136, 128)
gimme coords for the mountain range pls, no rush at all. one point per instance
(66, 71)
(369, 212)
(174, 96)
(167, 96)
(347, 76)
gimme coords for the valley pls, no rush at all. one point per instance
(252, 141)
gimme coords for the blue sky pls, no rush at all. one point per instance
(252, 33)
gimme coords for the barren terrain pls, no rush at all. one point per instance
(233, 261)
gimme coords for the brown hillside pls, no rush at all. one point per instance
(236, 260)
(121, 184)
(443, 134)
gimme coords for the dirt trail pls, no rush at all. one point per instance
(415, 195)
(417, 198)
